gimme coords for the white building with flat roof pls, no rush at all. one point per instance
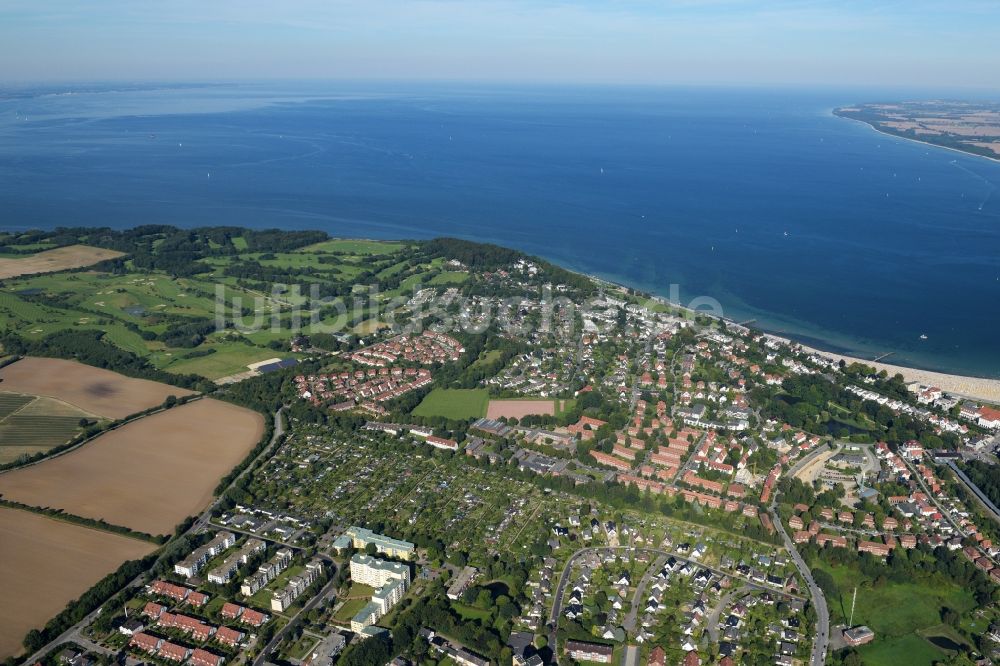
(390, 580)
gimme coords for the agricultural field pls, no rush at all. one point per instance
(46, 563)
(93, 390)
(58, 259)
(31, 424)
(457, 404)
(147, 475)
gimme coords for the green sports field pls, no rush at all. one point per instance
(456, 404)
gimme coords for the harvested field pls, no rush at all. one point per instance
(59, 259)
(95, 391)
(520, 408)
(30, 424)
(147, 475)
(45, 563)
(991, 145)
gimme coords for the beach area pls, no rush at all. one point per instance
(881, 131)
(975, 388)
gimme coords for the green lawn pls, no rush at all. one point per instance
(457, 404)
(230, 357)
(891, 651)
(896, 612)
(354, 246)
(449, 278)
(301, 649)
(360, 590)
(565, 405)
(470, 612)
(488, 357)
(350, 609)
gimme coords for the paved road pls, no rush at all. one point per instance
(985, 501)
(712, 626)
(76, 631)
(631, 656)
(822, 640)
(640, 592)
(808, 458)
(308, 606)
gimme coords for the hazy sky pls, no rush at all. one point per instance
(880, 42)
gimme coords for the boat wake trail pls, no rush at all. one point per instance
(991, 188)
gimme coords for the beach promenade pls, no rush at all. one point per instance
(976, 388)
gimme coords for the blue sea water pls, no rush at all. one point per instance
(817, 227)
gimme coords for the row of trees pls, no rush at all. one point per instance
(90, 347)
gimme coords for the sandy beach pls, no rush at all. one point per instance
(914, 140)
(976, 388)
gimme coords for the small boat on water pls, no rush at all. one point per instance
(923, 336)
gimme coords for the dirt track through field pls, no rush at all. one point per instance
(45, 563)
(96, 391)
(147, 475)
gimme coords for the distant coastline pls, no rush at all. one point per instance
(885, 132)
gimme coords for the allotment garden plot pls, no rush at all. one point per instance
(418, 495)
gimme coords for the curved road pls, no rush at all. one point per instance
(822, 640)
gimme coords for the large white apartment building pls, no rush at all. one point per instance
(390, 580)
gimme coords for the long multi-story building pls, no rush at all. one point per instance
(390, 580)
(284, 598)
(359, 537)
(267, 572)
(192, 564)
(223, 573)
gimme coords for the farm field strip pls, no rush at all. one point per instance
(58, 259)
(45, 563)
(29, 424)
(454, 403)
(93, 390)
(147, 475)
